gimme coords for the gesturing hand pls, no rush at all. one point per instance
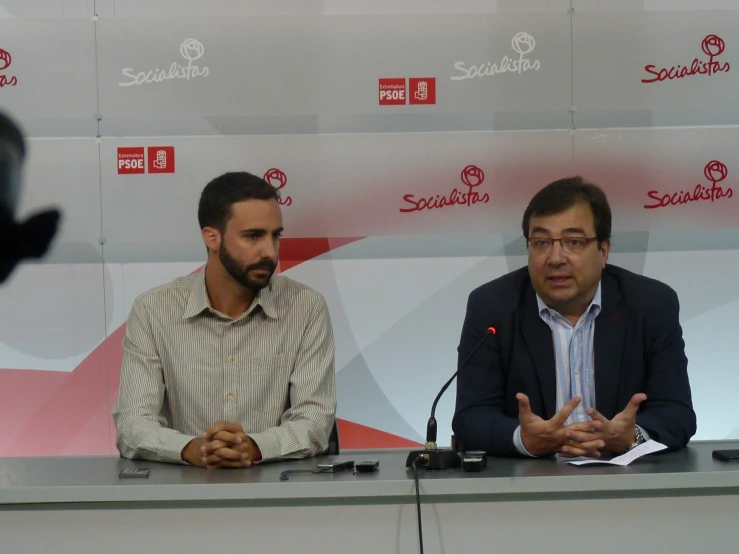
(541, 437)
(619, 433)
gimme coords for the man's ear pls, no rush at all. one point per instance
(211, 238)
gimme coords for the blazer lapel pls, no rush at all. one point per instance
(538, 338)
(610, 332)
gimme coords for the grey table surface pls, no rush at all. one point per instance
(79, 482)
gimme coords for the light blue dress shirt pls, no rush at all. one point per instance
(575, 361)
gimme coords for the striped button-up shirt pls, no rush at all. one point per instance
(574, 360)
(187, 366)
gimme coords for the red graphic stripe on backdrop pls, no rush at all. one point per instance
(77, 397)
(354, 435)
(22, 393)
(297, 251)
(48, 413)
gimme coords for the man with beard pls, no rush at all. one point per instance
(233, 365)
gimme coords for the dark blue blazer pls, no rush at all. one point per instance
(638, 347)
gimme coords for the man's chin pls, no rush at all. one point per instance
(257, 283)
(555, 293)
(558, 299)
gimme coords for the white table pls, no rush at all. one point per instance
(678, 502)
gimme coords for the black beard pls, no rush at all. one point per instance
(240, 273)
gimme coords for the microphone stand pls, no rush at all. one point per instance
(432, 457)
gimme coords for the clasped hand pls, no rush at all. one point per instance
(224, 445)
(584, 438)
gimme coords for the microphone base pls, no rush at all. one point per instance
(435, 459)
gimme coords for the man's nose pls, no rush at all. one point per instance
(556, 254)
(268, 248)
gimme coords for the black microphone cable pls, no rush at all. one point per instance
(418, 461)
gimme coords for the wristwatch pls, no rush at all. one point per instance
(639, 439)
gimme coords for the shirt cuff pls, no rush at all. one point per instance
(267, 446)
(518, 443)
(172, 450)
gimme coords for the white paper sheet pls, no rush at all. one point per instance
(643, 449)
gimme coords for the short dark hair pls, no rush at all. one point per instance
(214, 209)
(561, 195)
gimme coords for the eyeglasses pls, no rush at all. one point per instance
(571, 245)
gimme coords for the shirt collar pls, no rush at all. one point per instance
(198, 301)
(595, 304)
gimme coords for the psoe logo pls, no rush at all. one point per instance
(471, 177)
(278, 179)
(132, 160)
(714, 171)
(161, 159)
(5, 61)
(422, 90)
(713, 46)
(393, 91)
(192, 50)
(522, 44)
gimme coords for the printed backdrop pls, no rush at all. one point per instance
(406, 139)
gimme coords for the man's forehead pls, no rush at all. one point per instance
(579, 216)
(261, 213)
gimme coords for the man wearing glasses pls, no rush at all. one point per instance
(587, 359)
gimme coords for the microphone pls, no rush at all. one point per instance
(444, 458)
